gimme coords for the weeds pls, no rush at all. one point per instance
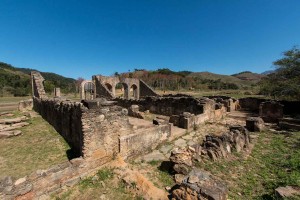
(95, 181)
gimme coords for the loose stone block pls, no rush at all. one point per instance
(255, 124)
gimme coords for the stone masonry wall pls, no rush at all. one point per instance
(250, 104)
(144, 140)
(37, 85)
(146, 90)
(102, 129)
(271, 111)
(253, 104)
(65, 117)
(166, 106)
(44, 182)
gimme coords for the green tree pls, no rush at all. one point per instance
(284, 83)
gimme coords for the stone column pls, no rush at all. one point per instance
(57, 92)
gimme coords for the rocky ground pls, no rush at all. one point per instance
(190, 138)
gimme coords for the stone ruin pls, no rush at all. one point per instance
(105, 86)
(102, 126)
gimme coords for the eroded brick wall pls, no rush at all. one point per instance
(167, 105)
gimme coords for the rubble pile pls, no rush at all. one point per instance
(200, 184)
(193, 183)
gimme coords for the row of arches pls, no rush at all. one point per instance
(121, 90)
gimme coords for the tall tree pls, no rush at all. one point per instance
(285, 81)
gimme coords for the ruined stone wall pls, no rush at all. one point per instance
(44, 182)
(253, 104)
(146, 90)
(102, 129)
(166, 106)
(271, 111)
(65, 117)
(250, 104)
(37, 85)
(101, 90)
(143, 141)
(184, 112)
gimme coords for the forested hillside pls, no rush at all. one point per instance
(166, 79)
(16, 81)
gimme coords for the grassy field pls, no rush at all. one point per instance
(274, 162)
(39, 147)
(104, 185)
(200, 93)
(12, 99)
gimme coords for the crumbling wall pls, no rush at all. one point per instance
(42, 183)
(102, 129)
(25, 105)
(165, 105)
(250, 104)
(184, 112)
(37, 85)
(143, 141)
(101, 90)
(271, 111)
(146, 90)
(65, 117)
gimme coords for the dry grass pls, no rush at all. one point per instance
(12, 99)
(201, 93)
(39, 147)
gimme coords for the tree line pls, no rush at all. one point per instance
(166, 79)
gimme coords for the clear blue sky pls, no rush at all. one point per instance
(84, 38)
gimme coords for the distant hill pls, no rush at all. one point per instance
(249, 76)
(16, 81)
(171, 80)
(268, 72)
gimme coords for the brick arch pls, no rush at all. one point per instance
(82, 88)
(109, 86)
(135, 91)
(106, 86)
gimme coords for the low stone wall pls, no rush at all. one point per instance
(42, 183)
(184, 112)
(250, 104)
(271, 111)
(25, 105)
(144, 141)
(169, 106)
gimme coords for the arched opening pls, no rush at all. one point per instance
(133, 92)
(122, 90)
(89, 90)
(108, 86)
